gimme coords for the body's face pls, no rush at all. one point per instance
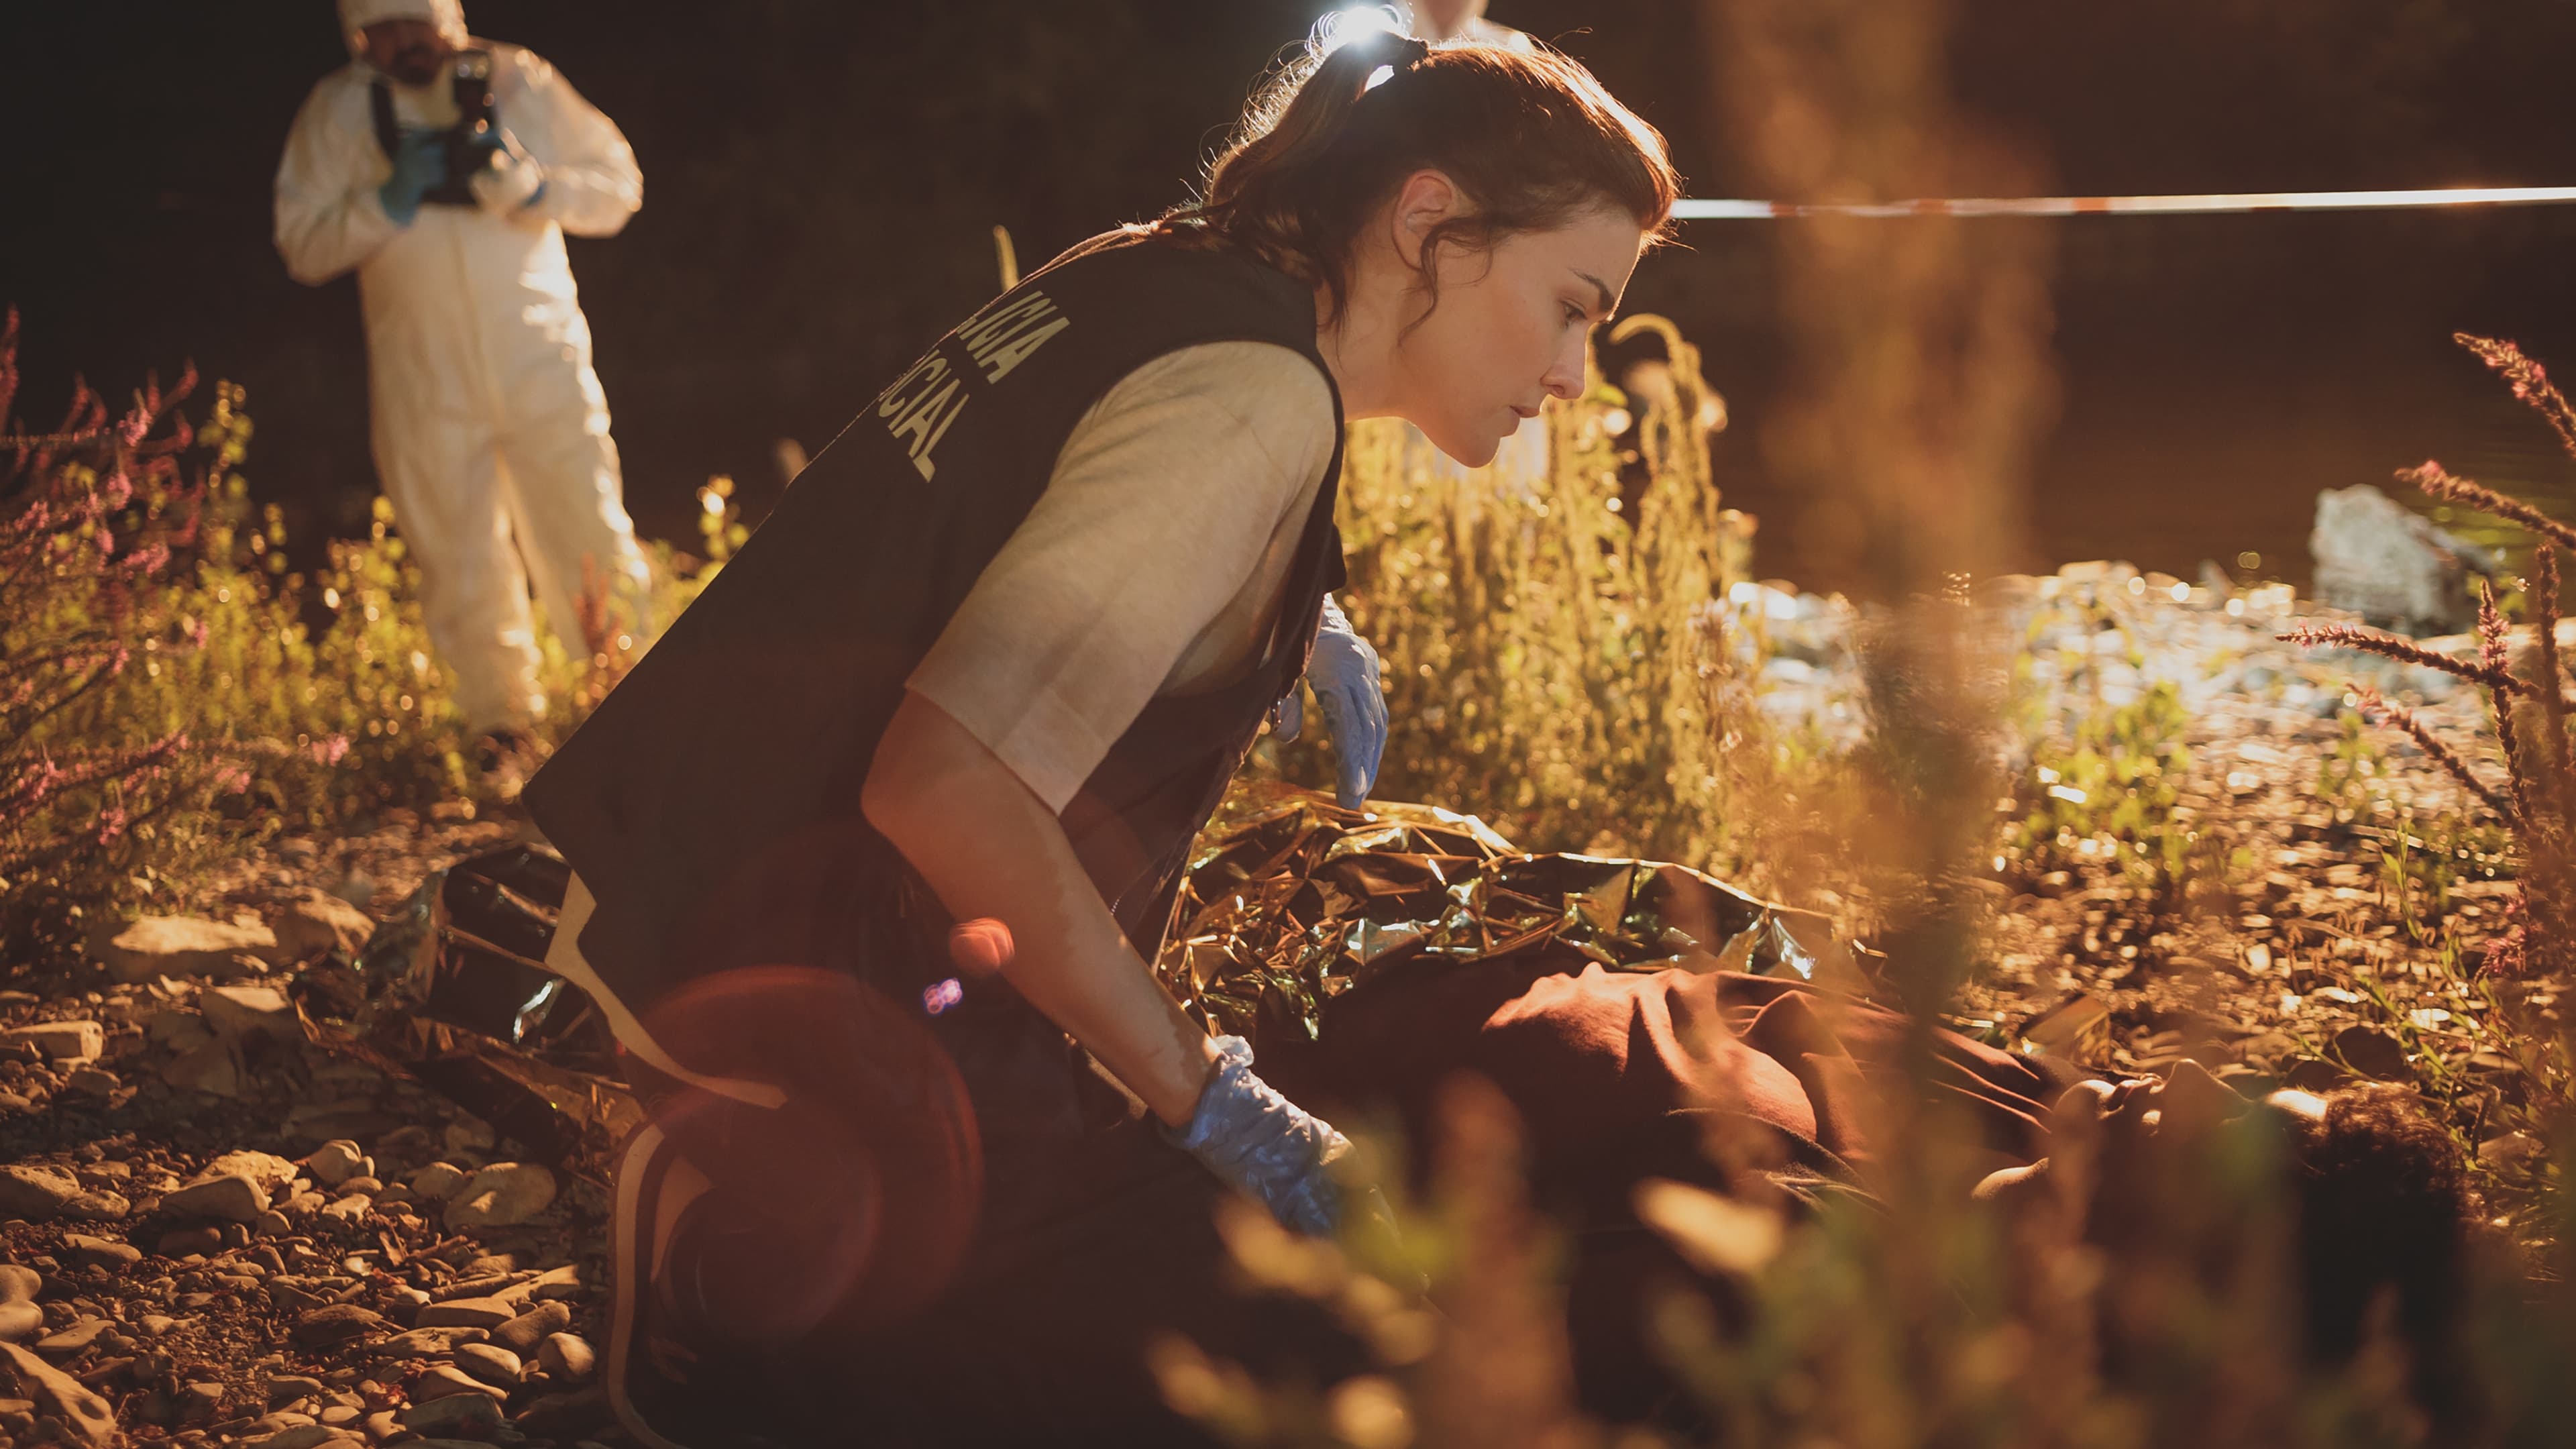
(1507, 332)
(410, 51)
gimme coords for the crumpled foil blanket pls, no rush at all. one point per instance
(1291, 900)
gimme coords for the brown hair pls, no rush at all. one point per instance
(1530, 138)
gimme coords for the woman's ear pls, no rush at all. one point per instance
(1426, 199)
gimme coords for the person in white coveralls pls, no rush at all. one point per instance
(446, 170)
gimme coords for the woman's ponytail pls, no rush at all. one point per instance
(1530, 138)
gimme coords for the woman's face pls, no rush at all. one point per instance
(1508, 329)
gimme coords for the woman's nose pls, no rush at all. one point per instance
(1564, 376)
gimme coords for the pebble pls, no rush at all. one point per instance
(333, 1163)
(302, 1436)
(80, 1335)
(227, 1198)
(429, 1342)
(98, 1207)
(502, 1195)
(350, 1210)
(246, 1012)
(185, 1242)
(491, 1364)
(99, 1252)
(335, 1323)
(437, 1182)
(157, 1324)
(483, 1313)
(91, 1081)
(440, 1381)
(285, 1388)
(568, 1356)
(523, 1333)
(61, 1041)
(461, 1415)
(36, 1194)
(156, 946)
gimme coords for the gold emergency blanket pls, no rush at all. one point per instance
(1291, 900)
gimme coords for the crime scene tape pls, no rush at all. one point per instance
(1702, 209)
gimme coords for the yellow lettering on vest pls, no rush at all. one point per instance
(980, 329)
(926, 372)
(1007, 355)
(928, 420)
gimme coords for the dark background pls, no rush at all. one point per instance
(821, 180)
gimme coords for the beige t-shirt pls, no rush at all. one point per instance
(1151, 565)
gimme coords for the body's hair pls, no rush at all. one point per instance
(2384, 1209)
(1530, 138)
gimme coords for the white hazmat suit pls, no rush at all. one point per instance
(489, 423)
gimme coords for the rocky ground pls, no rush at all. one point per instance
(218, 1230)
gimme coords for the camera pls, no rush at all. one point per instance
(470, 142)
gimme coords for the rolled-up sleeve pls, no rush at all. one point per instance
(1162, 510)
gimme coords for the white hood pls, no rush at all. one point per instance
(447, 15)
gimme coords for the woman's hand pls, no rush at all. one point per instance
(1256, 1140)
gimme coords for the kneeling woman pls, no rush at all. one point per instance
(993, 660)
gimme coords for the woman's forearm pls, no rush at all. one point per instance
(988, 847)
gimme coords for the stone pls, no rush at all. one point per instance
(61, 1041)
(430, 1342)
(34, 1193)
(287, 1388)
(212, 1066)
(200, 1401)
(91, 1081)
(318, 923)
(490, 1363)
(85, 1418)
(483, 1313)
(156, 1325)
(249, 1013)
(440, 1381)
(98, 1207)
(457, 1414)
(334, 1163)
(336, 1323)
(568, 1357)
(99, 1252)
(303, 1436)
(349, 1211)
(186, 1242)
(229, 1197)
(82, 1333)
(522, 1334)
(380, 1425)
(2390, 564)
(271, 1224)
(157, 946)
(563, 1282)
(436, 1183)
(178, 1029)
(502, 1195)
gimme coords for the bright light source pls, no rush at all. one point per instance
(2181, 591)
(1344, 26)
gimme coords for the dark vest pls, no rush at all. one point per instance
(711, 803)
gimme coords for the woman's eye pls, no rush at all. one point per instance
(1573, 313)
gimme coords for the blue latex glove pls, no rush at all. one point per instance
(420, 162)
(1344, 674)
(1254, 1139)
